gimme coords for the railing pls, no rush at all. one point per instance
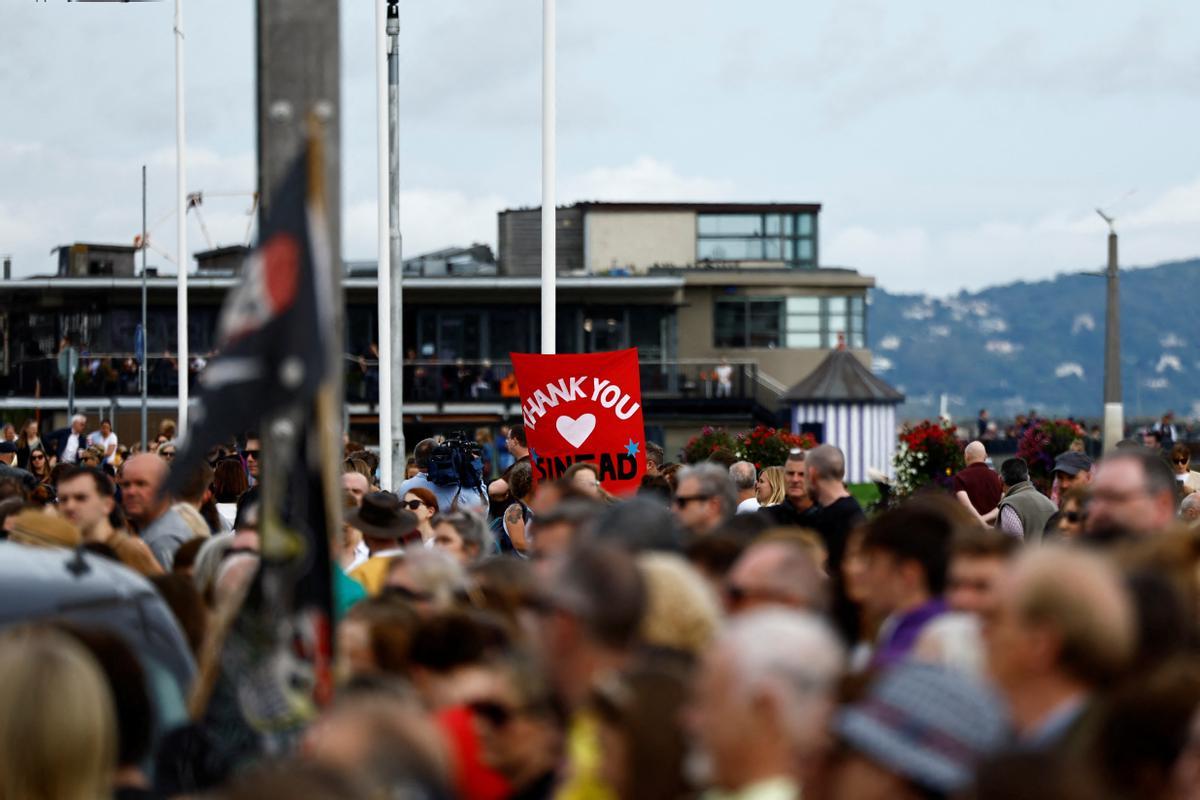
(425, 381)
(490, 381)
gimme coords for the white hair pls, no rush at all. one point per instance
(792, 656)
(744, 474)
(79, 418)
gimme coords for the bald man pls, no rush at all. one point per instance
(977, 486)
(161, 527)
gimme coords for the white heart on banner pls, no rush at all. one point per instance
(576, 431)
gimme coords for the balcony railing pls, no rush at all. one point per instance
(425, 381)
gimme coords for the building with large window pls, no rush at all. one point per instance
(689, 285)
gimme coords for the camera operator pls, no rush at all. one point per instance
(457, 496)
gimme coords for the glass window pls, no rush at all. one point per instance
(804, 224)
(730, 225)
(730, 249)
(764, 323)
(837, 305)
(803, 339)
(773, 224)
(804, 305)
(729, 323)
(804, 250)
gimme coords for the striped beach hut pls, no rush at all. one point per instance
(842, 403)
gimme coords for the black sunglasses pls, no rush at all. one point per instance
(250, 454)
(413, 504)
(1074, 516)
(495, 714)
(681, 502)
(1181, 460)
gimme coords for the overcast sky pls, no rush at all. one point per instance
(953, 144)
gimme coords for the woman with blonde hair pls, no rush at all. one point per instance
(58, 729)
(769, 489)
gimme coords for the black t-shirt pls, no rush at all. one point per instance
(834, 522)
(786, 514)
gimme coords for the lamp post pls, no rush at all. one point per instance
(1114, 409)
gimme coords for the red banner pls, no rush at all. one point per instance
(584, 407)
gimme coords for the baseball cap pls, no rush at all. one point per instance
(1072, 463)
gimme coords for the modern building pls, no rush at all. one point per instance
(690, 285)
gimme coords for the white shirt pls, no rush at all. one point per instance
(748, 506)
(724, 373)
(71, 454)
(99, 440)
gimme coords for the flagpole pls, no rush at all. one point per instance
(549, 268)
(383, 271)
(181, 289)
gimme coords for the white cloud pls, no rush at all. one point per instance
(1083, 322)
(1172, 340)
(906, 259)
(881, 363)
(1001, 347)
(430, 219)
(889, 343)
(645, 179)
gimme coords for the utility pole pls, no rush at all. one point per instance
(549, 206)
(396, 265)
(142, 349)
(181, 288)
(1114, 409)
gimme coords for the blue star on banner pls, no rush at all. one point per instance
(632, 448)
(533, 456)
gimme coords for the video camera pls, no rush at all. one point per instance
(458, 461)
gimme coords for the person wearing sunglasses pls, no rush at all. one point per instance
(520, 736)
(1070, 519)
(39, 465)
(1181, 465)
(424, 504)
(251, 453)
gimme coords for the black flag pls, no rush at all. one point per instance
(275, 372)
(270, 353)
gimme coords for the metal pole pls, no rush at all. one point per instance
(142, 355)
(181, 292)
(549, 269)
(1114, 409)
(383, 271)
(396, 360)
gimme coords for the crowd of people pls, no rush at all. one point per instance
(729, 631)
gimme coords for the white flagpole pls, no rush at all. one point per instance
(181, 297)
(549, 271)
(383, 269)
